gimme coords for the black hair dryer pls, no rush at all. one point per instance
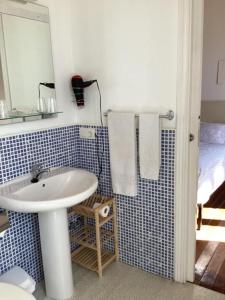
(78, 86)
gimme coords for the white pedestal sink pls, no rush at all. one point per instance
(50, 198)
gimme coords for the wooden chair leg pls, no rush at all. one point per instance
(199, 220)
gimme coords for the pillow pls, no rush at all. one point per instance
(212, 133)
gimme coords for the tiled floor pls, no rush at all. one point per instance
(122, 282)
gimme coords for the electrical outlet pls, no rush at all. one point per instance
(87, 133)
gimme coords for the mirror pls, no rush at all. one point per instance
(27, 89)
(2, 88)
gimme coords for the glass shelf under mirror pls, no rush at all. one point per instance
(11, 119)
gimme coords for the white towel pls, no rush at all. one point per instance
(149, 145)
(123, 153)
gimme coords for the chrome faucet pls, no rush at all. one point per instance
(36, 172)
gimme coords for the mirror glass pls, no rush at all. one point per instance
(26, 70)
(2, 88)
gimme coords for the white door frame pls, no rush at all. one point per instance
(190, 43)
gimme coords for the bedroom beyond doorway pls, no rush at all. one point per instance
(210, 227)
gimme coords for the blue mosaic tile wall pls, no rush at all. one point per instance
(55, 147)
(146, 222)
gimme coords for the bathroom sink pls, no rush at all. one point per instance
(50, 197)
(63, 187)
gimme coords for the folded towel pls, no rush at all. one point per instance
(123, 153)
(149, 145)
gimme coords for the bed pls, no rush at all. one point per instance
(211, 163)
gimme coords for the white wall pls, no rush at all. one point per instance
(131, 48)
(60, 20)
(214, 49)
(213, 111)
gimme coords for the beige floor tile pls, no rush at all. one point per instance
(123, 282)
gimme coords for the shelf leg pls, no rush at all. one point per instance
(98, 244)
(115, 230)
(85, 227)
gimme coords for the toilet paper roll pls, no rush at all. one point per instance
(103, 212)
(4, 224)
(2, 234)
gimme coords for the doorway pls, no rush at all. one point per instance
(210, 225)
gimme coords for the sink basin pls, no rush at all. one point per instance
(50, 198)
(63, 187)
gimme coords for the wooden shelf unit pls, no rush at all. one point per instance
(92, 237)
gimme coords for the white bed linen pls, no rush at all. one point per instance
(212, 133)
(211, 170)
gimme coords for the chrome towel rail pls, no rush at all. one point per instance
(169, 115)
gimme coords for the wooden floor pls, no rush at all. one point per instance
(210, 250)
(210, 265)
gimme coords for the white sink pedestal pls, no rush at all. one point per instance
(50, 197)
(56, 254)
